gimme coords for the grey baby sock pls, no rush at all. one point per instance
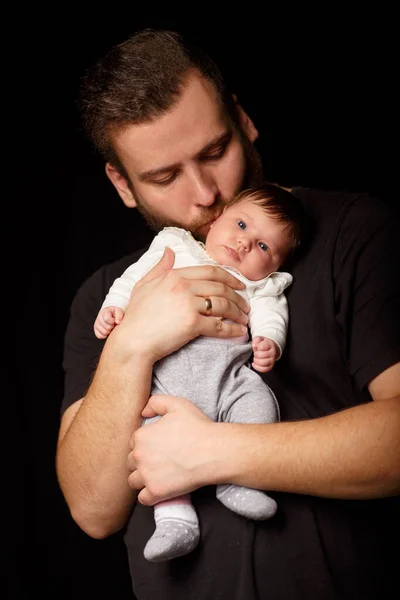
(177, 532)
(247, 502)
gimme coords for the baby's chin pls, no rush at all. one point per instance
(224, 259)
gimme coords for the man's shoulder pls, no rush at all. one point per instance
(337, 206)
(311, 196)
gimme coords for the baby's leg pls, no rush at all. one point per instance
(247, 502)
(177, 530)
(213, 374)
(255, 403)
(177, 527)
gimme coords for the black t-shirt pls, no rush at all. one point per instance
(343, 331)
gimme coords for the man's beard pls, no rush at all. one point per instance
(157, 223)
(253, 175)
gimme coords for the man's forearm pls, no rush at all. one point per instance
(351, 454)
(91, 457)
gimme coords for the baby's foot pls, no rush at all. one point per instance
(247, 502)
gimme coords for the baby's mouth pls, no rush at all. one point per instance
(232, 253)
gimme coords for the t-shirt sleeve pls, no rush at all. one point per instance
(367, 288)
(81, 347)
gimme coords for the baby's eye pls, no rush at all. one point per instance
(241, 224)
(263, 246)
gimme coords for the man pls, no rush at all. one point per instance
(178, 147)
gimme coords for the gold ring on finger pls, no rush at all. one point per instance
(208, 306)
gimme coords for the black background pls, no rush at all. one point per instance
(321, 90)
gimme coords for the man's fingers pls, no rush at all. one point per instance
(160, 404)
(213, 306)
(130, 462)
(135, 481)
(218, 291)
(148, 412)
(209, 273)
(214, 327)
(145, 498)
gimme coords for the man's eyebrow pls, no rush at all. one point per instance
(155, 172)
(219, 140)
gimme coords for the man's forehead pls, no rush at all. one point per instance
(178, 135)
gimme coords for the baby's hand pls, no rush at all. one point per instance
(265, 354)
(106, 320)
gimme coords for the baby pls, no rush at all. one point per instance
(253, 237)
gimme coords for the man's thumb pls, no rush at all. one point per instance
(164, 265)
(159, 404)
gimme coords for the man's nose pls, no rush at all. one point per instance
(205, 189)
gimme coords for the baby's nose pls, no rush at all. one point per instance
(243, 243)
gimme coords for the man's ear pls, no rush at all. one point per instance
(121, 185)
(245, 121)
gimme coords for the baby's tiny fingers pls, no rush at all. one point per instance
(262, 354)
(100, 334)
(261, 369)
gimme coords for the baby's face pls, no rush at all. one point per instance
(246, 238)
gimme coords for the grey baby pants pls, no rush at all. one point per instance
(214, 374)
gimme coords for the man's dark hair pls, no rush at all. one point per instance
(139, 80)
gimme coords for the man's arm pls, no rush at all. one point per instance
(163, 314)
(353, 454)
(93, 444)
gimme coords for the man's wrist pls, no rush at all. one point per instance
(223, 454)
(127, 349)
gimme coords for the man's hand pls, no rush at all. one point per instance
(166, 454)
(265, 354)
(168, 308)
